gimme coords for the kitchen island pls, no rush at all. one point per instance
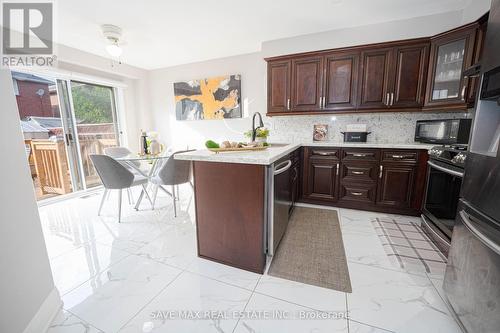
(239, 200)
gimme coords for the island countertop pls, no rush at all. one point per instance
(276, 151)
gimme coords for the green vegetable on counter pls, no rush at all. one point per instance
(211, 144)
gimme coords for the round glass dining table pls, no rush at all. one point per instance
(134, 161)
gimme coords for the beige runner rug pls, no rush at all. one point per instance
(312, 251)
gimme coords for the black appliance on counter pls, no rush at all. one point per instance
(355, 136)
(472, 278)
(443, 131)
(444, 179)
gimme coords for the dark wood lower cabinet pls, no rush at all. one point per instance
(230, 203)
(385, 180)
(396, 186)
(321, 171)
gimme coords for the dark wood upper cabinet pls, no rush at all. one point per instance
(340, 84)
(410, 71)
(306, 83)
(375, 80)
(278, 86)
(450, 54)
(407, 75)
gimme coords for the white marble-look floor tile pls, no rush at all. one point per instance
(224, 273)
(110, 299)
(77, 266)
(266, 314)
(317, 298)
(397, 301)
(176, 246)
(191, 295)
(355, 327)
(65, 322)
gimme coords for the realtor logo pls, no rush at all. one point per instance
(27, 28)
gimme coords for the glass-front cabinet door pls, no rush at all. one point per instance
(451, 54)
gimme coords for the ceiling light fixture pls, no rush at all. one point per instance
(113, 34)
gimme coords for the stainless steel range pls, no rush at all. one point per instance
(444, 179)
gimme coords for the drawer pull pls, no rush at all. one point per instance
(356, 193)
(338, 166)
(399, 157)
(359, 155)
(323, 153)
(381, 172)
(358, 172)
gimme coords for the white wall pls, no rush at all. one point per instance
(373, 33)
(194, 133)
(474, 10)
(25, 278)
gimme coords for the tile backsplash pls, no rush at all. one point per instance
(390, 127)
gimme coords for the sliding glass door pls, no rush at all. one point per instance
(96, 124)
(63, 123)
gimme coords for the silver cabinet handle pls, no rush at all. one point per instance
(323, 102)
(387, 99)
(398, 157)
(381, 172)
(359, 155)
(392, 99)
(358, 172)
(356, 193)
(324, 153)
(467, 220)
(463, 91)
(338, 167)
(288, 104)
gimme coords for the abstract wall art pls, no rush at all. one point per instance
(212, 98)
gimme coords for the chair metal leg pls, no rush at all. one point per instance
(139, 200)
(104, 195)
(119, 205)
(173, 201)
(155, 194)
(130, 197)
(177, 195)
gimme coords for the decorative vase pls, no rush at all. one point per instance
(154, 147)
(260, 139)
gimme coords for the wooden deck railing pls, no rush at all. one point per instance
(51, 166)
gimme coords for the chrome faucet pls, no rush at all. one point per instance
(254, 129)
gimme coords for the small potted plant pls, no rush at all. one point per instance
(260, 135)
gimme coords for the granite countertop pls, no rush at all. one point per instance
(274, 153)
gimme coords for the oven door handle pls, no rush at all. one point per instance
(445, 170)
(467, 220)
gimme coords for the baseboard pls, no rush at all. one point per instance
(44, 316)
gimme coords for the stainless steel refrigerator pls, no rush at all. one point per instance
(472, 278)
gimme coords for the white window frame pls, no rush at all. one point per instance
(16, 86)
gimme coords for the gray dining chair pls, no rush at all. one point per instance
(115, 176)
(172, 173)
(117, 152)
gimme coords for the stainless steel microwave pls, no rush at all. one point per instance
(443, 131)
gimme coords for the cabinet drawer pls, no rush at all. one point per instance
(357, 193)
(323, 153)
(406, 156)
(359, 172)
(360, 154)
